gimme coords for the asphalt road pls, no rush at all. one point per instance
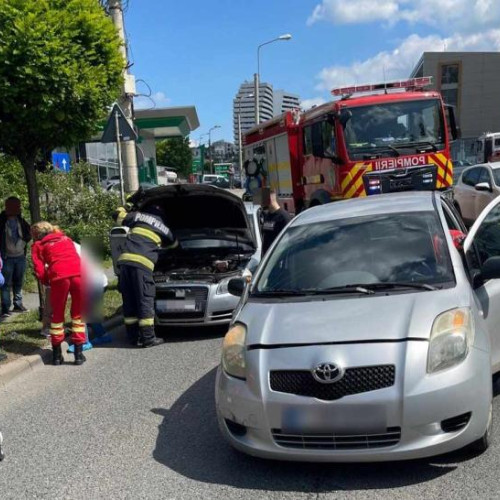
(133, 424)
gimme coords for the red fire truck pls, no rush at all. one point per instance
(355, 146)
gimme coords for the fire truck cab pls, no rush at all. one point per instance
(357, 145)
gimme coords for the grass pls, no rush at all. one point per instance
(20, 335)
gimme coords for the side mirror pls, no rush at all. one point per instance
(483, 186)
(491, 269)
(236, 286)
(453, 128)
(345, 116)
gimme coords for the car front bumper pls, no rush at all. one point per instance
(212, 308)
(417, 404)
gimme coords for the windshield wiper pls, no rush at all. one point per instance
(281, 293)
(381, 149)
(398, 284)
(419, 143)
(341, 289)
(313, 291)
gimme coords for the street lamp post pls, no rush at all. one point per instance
(240, 145)
(210, 147)
(257, 75)
(200, 146)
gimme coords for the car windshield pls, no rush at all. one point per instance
(388, 129)
(406, 249)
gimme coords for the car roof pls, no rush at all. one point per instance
(410, 201)
(493, 164)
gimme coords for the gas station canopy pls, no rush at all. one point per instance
(166, 122)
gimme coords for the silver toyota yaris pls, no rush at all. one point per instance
(370, 332)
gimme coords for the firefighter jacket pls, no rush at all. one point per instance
(147, 235)
(55, 258)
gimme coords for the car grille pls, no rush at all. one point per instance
(198, 294)
(354, 381)
(325, 441)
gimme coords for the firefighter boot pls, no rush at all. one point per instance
(133, 334)
(148, 337)
(57, 357)
(79, 357)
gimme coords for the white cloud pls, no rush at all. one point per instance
(446, 15)
(399, 62)
(309, 103)
(157, 100)
(354, 11)
(193, 143)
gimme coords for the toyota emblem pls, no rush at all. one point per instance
(327, 373)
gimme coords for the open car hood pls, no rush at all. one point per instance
(198, 209)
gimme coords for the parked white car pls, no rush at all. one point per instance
(476, 187)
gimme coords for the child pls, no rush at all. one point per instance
(57, 264)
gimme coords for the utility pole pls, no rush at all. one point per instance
(128, 149)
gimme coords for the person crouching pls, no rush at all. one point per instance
(57, 264)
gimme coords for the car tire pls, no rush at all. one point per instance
(482, 444)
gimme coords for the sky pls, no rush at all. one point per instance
(198, 52)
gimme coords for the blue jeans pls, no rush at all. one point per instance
(13, 271)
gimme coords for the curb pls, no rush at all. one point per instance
(40, 357)
(19, 366)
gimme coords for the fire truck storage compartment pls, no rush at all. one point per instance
(278, 163)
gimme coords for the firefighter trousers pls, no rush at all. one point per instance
(59, 291)
(138, 293)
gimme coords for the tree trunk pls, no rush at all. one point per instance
(33, 196)
(36, 216)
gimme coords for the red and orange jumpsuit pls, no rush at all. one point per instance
(57, 264)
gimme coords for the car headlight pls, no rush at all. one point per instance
(233, 351)
(451, 337)
(222, 288)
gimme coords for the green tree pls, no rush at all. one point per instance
(60, 68)
(175, 153)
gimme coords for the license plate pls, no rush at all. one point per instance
(337, 419)
(400, 183)
(175, 305)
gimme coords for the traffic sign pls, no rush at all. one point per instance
(125, 130)
(61, 161)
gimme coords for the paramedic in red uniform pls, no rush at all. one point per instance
(57, 264)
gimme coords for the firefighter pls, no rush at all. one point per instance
(147, 234)
(274, 218)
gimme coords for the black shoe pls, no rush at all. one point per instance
(79, 357)
(154, 343)
(19, 309)
(57, 357)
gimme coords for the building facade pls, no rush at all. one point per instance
(271, 103)
(470, 81)
(223, 151)
(285, 101)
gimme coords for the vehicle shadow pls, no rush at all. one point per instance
(189, 442)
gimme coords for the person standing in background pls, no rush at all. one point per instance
(14, 238)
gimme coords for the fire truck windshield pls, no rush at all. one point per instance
(391, 129)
